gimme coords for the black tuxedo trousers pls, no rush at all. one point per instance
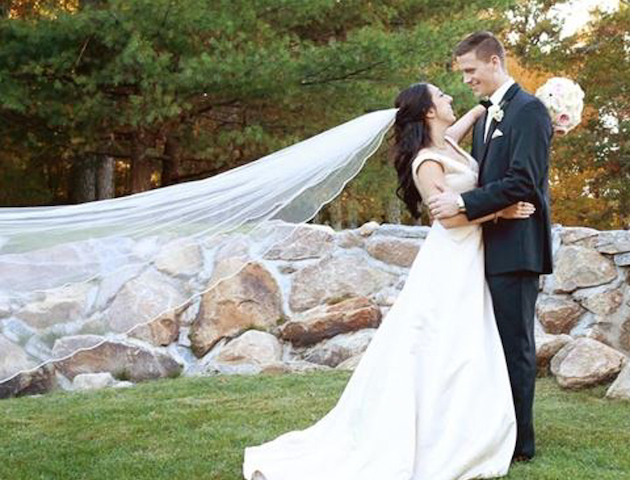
(514, 298)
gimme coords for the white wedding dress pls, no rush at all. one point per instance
(430, 399)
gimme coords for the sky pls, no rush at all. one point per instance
(576, 13)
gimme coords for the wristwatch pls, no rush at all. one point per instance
(461, 206)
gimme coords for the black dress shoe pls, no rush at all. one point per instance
(520, 458)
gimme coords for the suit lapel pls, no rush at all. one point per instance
(493, 124)
(478, 138)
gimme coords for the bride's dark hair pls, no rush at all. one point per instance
(411, 133)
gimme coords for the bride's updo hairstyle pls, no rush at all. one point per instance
(411, 133)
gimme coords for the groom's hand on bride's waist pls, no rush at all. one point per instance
(445, 204)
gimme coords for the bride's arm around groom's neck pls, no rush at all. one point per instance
(461, 127)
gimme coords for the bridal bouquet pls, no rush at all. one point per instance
(564, 100)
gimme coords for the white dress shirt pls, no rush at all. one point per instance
(496, 98)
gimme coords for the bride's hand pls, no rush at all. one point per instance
(518, 210)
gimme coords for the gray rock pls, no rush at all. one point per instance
(343, 276)
(125, 361)
(16, 330)
(112, 282)
(403, 231)
(13, 358)
(547, 346)
(159, 332)
(614, 241)
(578, 267)
(327, 321)
(248, 299)
(60, 305)
(180, 258)
(93, 381)
(558, 314)
(583, 236)
(620, 388)
(30, 382)
(393, 250)
(142, 299)
(37, 348)
(368, 228)
(586, 362)
(339, 348)
(601, 300)
(123, 384)
(67, 345)
(622, 259)
(349, 239)
(253, 346)
(305, 242)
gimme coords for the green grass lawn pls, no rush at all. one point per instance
(196, 428)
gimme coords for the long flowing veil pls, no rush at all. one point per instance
(75, 277)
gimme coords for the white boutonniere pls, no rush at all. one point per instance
(496, 112)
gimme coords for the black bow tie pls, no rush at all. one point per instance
(485, 103)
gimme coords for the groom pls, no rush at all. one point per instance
(511, 145)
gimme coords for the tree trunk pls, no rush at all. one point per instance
(170, 165)
(105, 178)
(83, 180)
(141, 169)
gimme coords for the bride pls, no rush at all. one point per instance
(430, 398)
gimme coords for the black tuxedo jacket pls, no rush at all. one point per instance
(514, 167)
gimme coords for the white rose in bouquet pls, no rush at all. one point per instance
(564, 100)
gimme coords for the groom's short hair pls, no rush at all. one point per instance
(484, 44)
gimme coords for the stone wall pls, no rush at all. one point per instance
(312, 301)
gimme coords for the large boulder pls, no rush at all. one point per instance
(60, 305)
(329, 320)
(586, 362)
(620, 388)
(159, 332)
(342, 276)
(251, 298)
(93, 381)
(305, 242)
(394, 251)
(579, 267)
(16, 330)
(602, 300)
(622, 259)
(142, 299)
(403, 231)
(180, 258)
(253, 346)
(113, 281)
(65, 346)
(582, 236)
(614, 241)
(349, 239)
(125, 361)
(547, 346)
(339, 348)
(41, 269)
(558, 314)
(30, 382)
(13, 358)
